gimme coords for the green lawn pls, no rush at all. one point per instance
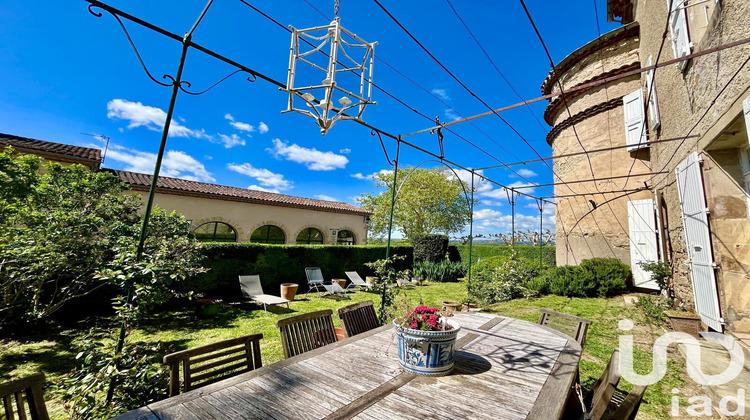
(51, 351)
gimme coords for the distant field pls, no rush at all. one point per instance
(524, 251)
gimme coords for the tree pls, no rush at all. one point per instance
(66, 232)
(427, 201)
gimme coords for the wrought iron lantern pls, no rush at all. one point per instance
(343, 60)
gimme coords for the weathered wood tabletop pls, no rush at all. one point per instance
(505, 369)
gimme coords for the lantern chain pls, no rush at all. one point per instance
(336, 4)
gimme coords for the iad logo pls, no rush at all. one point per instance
(701, 405)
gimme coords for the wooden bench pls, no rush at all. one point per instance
(210, 363)
(572, 326)
(306, 332)
(22, 393)
(358, 318)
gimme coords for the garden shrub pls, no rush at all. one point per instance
(442, 271)
(277, 264)
(611, 275)
(502, 278)
(453, 254)
(432, 248)
(593, 277)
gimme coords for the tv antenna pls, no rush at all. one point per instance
(100, 137)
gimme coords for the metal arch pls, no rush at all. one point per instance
(251, 78)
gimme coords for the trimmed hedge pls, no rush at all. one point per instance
(525, 252)
(431, 248)
(277, 264)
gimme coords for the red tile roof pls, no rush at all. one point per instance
(141, 182)
(25, 144)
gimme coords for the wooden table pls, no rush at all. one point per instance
(505, 369)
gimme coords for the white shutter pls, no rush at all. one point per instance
(643, 246)
(698, 240)
(635, 128)
(653, 103)
(678, 30)
(746, 109)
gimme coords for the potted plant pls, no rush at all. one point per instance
(684, 321)
(426, 341)
(680, 319)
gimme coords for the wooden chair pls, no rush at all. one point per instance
(210, 363)
(306, 332)
(358, 318)
(29, 390)
(572, 326)
(609, 402)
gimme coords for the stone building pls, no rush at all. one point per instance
(222, 213)
(688, 120)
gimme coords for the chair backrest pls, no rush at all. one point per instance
(354, 277)
(306, 332)
(207, 364)
(573, 326)
(358, 318)
(250, 286)
(24, 396)
(314, 275)
(603, 406)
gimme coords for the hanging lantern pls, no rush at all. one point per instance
(333, 77)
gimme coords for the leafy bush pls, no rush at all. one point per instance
(653, 308)
(141, 379)
(431, 248)
(442, 271)
(525, 252)
(660, 272)
(594, 277)
(277, 264)
(500, 278)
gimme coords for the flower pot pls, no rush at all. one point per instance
(449, 307)
(207, 308)
(340, 333)
(288, 290)
(427, 353)
(686, 322)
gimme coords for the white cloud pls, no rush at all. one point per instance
(345, 151)
(262, 128)
(175, 164)
(527, 173)
(239, 125)
(139, 115)
(371, 176)
(231, 140)
(441, 93)
(325, 197)
(450, 115)
(314, 159)
(259, 188)
(493, 221)
(491, 203)
(268, 180)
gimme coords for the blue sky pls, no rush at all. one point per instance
(66, 72)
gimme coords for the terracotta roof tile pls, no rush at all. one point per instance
(143, 182)
(41, 146)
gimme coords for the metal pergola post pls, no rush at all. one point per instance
(471, 243)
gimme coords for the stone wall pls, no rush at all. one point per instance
(686, 103)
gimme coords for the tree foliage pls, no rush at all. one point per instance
(66, 231)
(427, 201)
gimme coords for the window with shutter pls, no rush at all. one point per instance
(635, 128)
(653, 103)
(678, 30)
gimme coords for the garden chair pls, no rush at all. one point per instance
(29, 390)
(356, 280)
(609, 402)
(314, 279)
(207, 364)
(252, 289)
(358, 318)
(306, 332)
(572, 326)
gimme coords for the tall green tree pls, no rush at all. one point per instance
(66, 231)
(427, 201)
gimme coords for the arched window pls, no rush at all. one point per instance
(345, 237)
(310, 236)
(215, 232)
(268, 234)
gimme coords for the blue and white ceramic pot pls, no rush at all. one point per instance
(428, 353)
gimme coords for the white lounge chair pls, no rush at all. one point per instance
(356, 280)
(314, 279)
(252, 289)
